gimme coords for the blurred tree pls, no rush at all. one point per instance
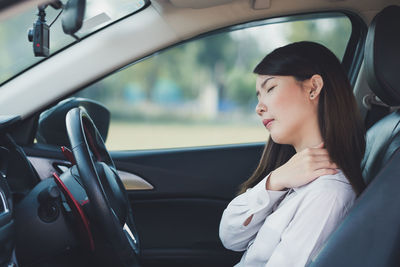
(242, 89)
(334, 32)
(217, 54)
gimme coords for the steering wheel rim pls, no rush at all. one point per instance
(85, 141)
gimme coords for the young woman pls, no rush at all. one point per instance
(309, 174)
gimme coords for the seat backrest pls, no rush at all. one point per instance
(382, 61)
(370, 233)
(383, 140)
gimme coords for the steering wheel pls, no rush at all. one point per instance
(108, 203)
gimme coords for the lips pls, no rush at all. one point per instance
(266, 121)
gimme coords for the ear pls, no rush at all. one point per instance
(316, 83)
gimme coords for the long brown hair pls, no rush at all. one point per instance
(339, 119)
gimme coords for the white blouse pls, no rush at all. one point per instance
(289, 227)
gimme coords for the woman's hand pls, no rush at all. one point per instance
(302, 168)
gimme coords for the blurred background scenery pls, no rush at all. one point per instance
(200, 92)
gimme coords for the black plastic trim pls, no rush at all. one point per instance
(354, 54)
(7, 121)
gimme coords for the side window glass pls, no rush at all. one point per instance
(202, 92)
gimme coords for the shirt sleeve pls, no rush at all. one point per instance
(316, 218)
(256, 201)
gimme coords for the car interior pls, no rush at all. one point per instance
(68, 200)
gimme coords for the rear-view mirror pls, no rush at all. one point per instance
(72, 16)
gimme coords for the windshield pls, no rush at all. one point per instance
(16, 51)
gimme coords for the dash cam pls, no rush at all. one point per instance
(40, 35)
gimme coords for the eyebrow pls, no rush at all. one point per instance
(265, 81)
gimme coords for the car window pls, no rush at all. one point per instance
(202, 92)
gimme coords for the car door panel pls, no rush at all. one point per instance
(178, 221)
(213, 172)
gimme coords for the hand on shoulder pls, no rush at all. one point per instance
(304, 167)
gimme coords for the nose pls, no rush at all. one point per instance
(260, 108)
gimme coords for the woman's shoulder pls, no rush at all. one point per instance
(336, 185)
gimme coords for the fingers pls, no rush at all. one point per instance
(326, 164)
(318, 161)
(321, 145)
(312, 158)
(315, 151)
(319, 158)
(323, 158)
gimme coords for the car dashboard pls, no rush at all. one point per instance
(7, 220)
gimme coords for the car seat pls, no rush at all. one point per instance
(370, 233)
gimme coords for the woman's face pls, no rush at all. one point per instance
(287, 103)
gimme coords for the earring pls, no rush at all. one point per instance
(312, 95)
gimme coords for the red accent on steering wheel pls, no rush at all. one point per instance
(83, 225)
(92, 143)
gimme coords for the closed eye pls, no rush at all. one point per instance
(271, 89)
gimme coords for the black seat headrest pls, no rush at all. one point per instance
(382, 55)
